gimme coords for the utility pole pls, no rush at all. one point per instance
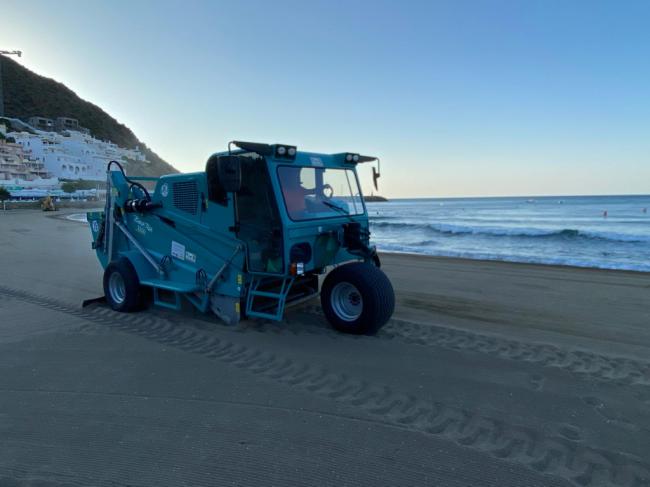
(2, 100)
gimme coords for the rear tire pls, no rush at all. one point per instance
(122, 286)
(357, 298)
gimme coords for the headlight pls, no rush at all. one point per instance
(300, 252)
(282, 150)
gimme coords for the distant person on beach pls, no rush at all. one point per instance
(605, 214)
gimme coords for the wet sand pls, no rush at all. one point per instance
(489, 374)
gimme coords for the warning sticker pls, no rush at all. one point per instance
(178, 250)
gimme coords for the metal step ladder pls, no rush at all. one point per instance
(276, 300)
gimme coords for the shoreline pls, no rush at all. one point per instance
(515, 262)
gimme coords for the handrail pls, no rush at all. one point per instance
(215, 278)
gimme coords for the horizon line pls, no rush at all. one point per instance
(517, 196)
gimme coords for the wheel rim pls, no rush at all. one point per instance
(346, 301)
(116, 287)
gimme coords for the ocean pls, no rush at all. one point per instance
(608, 232)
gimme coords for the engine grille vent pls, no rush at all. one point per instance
(186, 196)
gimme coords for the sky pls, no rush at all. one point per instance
(457, 98)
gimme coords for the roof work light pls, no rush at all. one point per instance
(285, 151)
(351, 158)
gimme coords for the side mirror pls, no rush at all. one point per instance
(224, 176)
(375, 176)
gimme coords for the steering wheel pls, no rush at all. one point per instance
(327, 191)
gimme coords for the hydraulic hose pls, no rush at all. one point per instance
(131, 182)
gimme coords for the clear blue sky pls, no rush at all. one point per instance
(457, 98)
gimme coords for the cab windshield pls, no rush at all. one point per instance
(316, 192)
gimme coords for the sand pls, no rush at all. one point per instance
(489, 374)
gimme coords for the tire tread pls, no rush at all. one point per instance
(134, 293)
(377, 292)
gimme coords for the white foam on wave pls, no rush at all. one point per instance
(496, 231)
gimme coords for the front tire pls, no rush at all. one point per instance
(122, 286)
(357, 298)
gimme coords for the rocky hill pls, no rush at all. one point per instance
(27, 94)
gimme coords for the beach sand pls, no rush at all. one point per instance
(489, 374)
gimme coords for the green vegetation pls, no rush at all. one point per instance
(80, 184)
(68, 187)
(4, 194)
(27, 94)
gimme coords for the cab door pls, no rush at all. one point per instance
(259, 223)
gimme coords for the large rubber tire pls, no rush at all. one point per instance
(357, 298)
(122, 286)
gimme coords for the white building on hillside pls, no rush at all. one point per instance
(17, 170)
(72, 154)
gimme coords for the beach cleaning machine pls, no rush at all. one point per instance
(249, 235)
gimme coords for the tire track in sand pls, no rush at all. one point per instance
(554, 455)
(618, 370)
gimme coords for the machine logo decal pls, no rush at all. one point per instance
(95, 226)
(190, 257)
(316, 161)
(178, 250)
(142, 226)
(164, 190)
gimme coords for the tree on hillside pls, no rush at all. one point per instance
(69, 187)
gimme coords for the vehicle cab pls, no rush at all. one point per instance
(298, 212)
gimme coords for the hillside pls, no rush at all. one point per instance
(27, 94)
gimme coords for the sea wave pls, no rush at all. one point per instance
(565, 233)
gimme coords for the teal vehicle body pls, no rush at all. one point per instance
(244, 238)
